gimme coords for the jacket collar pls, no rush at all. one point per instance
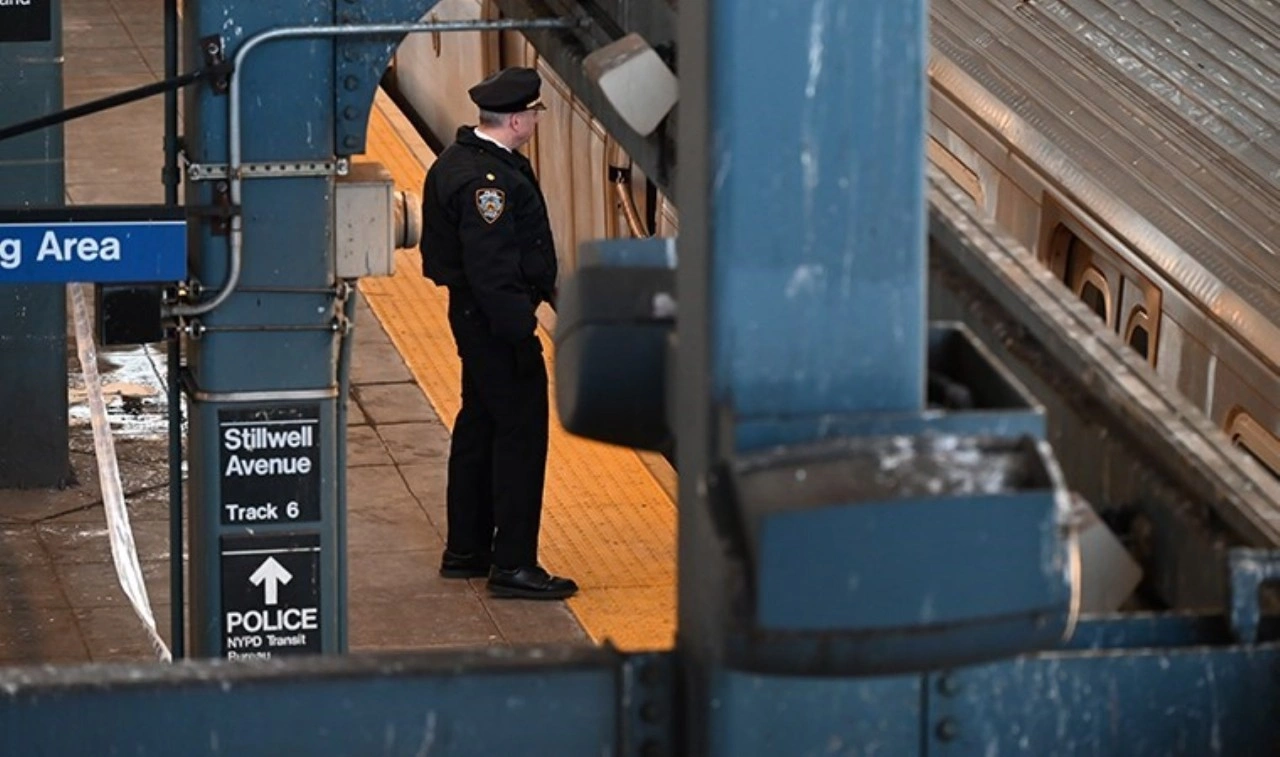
(489, 138)
(467, 136)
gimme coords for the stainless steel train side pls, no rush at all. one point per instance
(1135, 151)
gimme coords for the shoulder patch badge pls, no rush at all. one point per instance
(491, 201)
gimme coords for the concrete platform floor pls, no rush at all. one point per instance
(60, 601)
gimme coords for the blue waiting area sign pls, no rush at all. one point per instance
(93, 244)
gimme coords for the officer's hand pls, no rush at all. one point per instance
(528, 353)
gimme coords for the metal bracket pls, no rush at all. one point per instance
(220, 223)
(220, 211)
(285, 169)
(367, 35)
(1250, 569)
(278, 395)
(214, 55)
(196, 329)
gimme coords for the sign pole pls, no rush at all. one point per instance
(33, 317)
(265, 514)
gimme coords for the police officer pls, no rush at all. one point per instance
(486, 237)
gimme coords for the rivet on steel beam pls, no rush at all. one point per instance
(947, 730)
(349, 113)
(351, 83)
(350, 141)
(948, 685)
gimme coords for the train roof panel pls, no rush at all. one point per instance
(1160, 116)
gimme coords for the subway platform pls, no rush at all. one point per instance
(60, 600)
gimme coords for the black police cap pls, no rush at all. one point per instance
(511, 90)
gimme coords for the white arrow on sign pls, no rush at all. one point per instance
(272, 574)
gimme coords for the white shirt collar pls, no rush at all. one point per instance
(488, 138)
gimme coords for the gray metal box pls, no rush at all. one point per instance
(364, 222)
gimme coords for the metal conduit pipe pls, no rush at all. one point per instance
(635, 225)
(344, 396)
(620, 177)
(235, 160)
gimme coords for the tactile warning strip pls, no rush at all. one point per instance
(606, 522)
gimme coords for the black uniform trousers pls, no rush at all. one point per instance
(498, 455)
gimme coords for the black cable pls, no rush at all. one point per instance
(177, 538)
(112, 101)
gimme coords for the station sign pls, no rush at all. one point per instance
(269, 465)
(26, 20)
(93, 244)
(270, 595)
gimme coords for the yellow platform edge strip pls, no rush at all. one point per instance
(609, 517)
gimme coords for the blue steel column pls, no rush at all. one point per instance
(802, 258)
(271, 355)
(33, 319)
(816, 250)
(288, 115)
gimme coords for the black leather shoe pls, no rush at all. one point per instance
(529, 583)
(454, 565)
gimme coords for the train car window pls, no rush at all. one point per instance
(1138, 340)
(1080, 271)
(1105, 280)
(1138, 333)
(1255, 439)
(1092, 288)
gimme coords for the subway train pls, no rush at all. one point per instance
(1131, 146)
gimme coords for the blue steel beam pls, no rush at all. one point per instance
(1140, 703)
(796, 715)
(1184, 695)
(494, 702)
(1143, 703)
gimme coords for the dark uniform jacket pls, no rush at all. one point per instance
(486, 233)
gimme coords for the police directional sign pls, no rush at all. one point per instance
(270, 595)
(97, 244)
